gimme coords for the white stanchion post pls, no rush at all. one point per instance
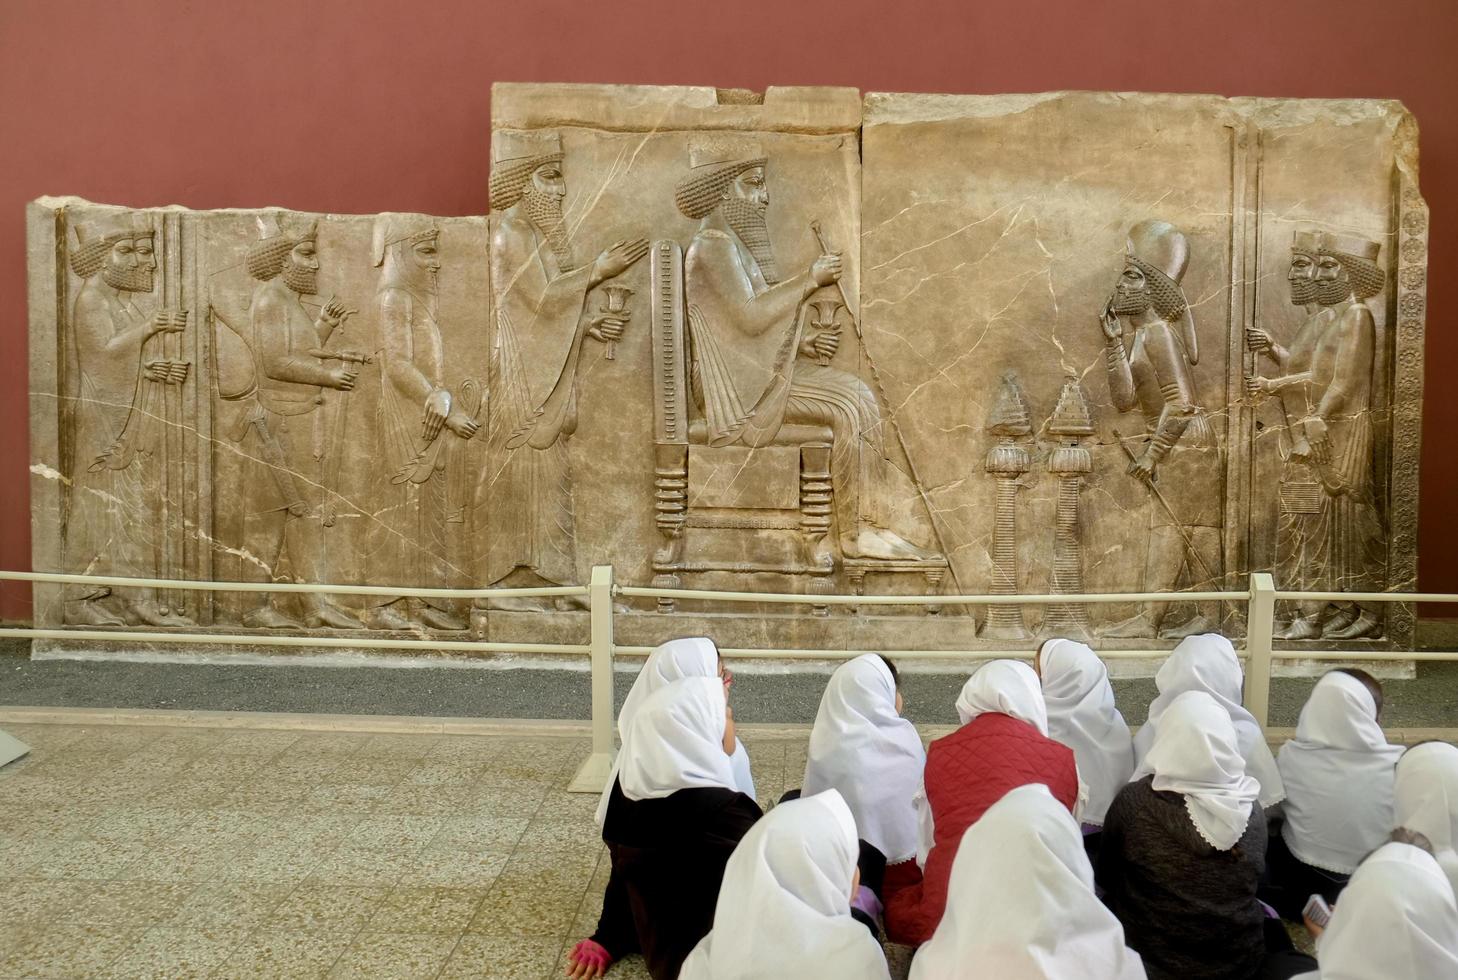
(1260, 628)
(592, 776)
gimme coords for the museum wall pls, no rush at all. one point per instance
(367, 107)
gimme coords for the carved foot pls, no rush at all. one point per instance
(329, 616)
(90, 612)
(1300, 628)
(144, 612)
(1365, 625)
(567, 603)
(269, 618)
(519, 604)
(440, 619)
(1345, 616)
(1136, 627)
(391, 617)
(1191, 627)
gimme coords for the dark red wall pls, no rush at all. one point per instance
(375, 105)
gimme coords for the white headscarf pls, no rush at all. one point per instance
(1427, 799)
(1195, 754)
(1021, 904)
(1008, 687)
(1396, 920)
(784, 906)
(691, 656)
(861, 747)
(1208, 663)
(676, 741)
(1338, 773)
(1082, 715)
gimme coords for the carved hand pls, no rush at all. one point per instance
(1257, 385)
(335, 313)
(1316, 435)
(461, 424)
(826, 344)
(1142, 469)
(826, 269)
(607, 327)
(1258, 340)
(177, 372)
(437, 409)
(158, 371)
(165, 321)
(342, 378)
(616, 259)
(1109, 323)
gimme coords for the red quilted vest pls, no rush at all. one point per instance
(967, 772)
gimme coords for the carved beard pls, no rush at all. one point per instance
(301, 280)
(1330, 292)
(1131, 303)
(137, 279)
(748, 223)
(1303, 291)
(544, 211)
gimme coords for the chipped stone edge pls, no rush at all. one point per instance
(809, 110)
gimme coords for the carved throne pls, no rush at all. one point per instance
(749, 512)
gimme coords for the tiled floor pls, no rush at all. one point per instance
(188, 852)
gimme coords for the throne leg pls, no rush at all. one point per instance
(670, 505)
(816, 500)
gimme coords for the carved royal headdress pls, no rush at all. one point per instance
(514, 156)
(279, 232)
(392, 229)
(98, 233)
(714, 161)
(1162, 252)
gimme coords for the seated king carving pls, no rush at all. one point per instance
(754, 367)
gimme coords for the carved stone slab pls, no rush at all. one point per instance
(792, 340)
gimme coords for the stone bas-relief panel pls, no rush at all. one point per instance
(261, 396)
(1170, 256)
(794, 341)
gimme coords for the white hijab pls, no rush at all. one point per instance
(1008, 687)
(1338, 772)
(1208, 663)
(1082, 715)
(1195, 754)
(691, 656)
(1396, 920)
(784, 906)
(1021, 904)
(676, 741)
(861, 747)
(1427, 799)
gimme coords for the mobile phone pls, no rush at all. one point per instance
(1317, 911)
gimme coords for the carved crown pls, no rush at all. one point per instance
(115, 227)
(508, 145)
(283, 224)
(1161, 245)
(1349, 245)
(721, 151)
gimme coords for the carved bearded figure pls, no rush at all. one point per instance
(1329, 533)
(542, 322)
(753, 366)
(420, 423)
(1178, 455)
(116, 452)
(292, 373)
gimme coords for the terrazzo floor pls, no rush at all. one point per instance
(184, 852)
